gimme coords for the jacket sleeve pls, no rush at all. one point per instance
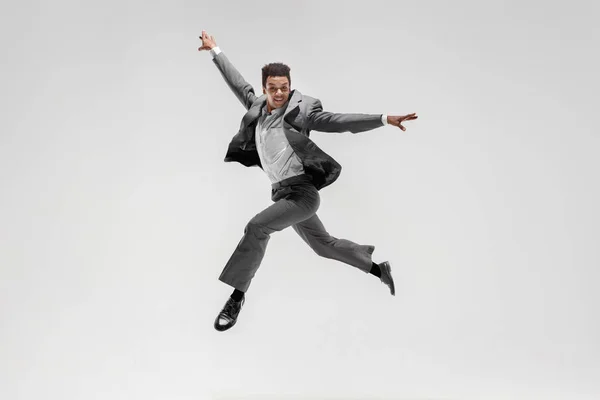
(325, 121)
(236, 82)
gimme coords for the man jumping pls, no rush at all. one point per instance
(274, 135)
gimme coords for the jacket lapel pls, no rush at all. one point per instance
(293, 106)
(254, 112)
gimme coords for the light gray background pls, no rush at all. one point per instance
(118, 213)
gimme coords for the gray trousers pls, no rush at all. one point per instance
(296, 201)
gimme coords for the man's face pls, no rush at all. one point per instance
(277, 91)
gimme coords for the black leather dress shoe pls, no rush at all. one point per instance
(386, 276)
(228, 315)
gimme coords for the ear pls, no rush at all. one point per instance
(264, 91)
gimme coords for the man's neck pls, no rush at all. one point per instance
(270, 109)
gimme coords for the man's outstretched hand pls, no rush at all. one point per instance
(208, 42)
(397, 120)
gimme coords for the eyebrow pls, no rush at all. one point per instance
(272, 84)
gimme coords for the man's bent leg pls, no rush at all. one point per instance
(299, 204)
(316, 236)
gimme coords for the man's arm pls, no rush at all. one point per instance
(236, 82)
(325, 121)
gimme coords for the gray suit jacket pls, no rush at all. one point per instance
(303, 114)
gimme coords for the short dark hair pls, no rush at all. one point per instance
(275, 69)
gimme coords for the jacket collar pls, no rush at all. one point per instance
(254, 111)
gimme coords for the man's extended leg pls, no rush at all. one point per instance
(313, 232)
(299, 203)
(295, 200)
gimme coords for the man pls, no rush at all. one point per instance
(274, 135)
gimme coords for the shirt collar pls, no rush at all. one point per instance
(277, 110)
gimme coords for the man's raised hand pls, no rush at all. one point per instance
(397, 120)
(208, 42)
